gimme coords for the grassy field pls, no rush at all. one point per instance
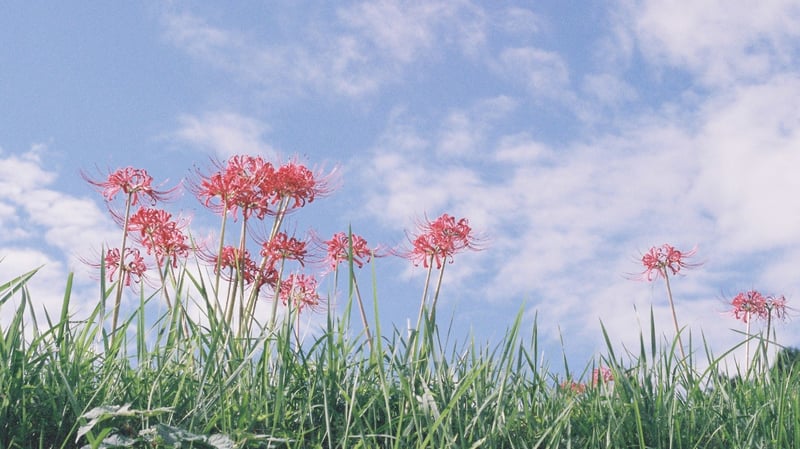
(193, 365)
(175, 383)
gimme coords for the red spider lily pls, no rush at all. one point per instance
(135, 268)
(660, 258)
(747, 305)
(245, 182)
(338, 250)
(573, 387)
(253, 185)
(440, 240)
(231, 260)
(298, 183)
(282, 247)
(130, 181)
(159, 234)
(301, 290)
(602, 374)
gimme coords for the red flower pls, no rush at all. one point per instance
(573, 387)
(245, 182)
(282, 247)
(134, 268)
(131, 181)
(159, 234)
(234, 261)
(747, 305)
(440, 240)
(301, 290)
(661, 258)
(338, 250)
(298, 183)
(602, 373)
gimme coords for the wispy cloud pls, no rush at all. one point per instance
(719, 42)
(223, 134)
(33, 211)
(567, 223)
(368, 45)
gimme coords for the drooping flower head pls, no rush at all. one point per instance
(130, 181)
(665, 257)
(338, 250)
(440, 240)
(752, 304)
(300, 290)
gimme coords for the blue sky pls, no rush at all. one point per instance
(573, 135)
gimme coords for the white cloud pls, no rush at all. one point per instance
(33, 212)
(224, 134)
(749, 156)
(719, 41)
(368, 45)
(543, 73)
(568, 223)
(406, 30)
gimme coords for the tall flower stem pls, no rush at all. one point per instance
(425, 292)
(361, 310)
(747, 360)
(122, 268)
(436, 293)
(674, 316)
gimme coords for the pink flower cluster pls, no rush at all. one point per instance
(338, 249)
(662, 258)
(750, 304)
(600, 376)
(130, 181)
(159, 234)
(256, 187)
(439, 240)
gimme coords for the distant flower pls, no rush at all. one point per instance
(752, 304)
(130, 181)
(573, 387)
(665, 257)
(300, 290)
(338, 250)
(440, 240)
(133, 267)
(602, 375)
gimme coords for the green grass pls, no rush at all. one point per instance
(177, 382)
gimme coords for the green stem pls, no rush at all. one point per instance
(674, 316)
(122, 269)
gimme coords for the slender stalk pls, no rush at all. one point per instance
(674, 316)
(436, 293)
(425, 292)
(747, 360)
(363, 313)
(122, 269)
